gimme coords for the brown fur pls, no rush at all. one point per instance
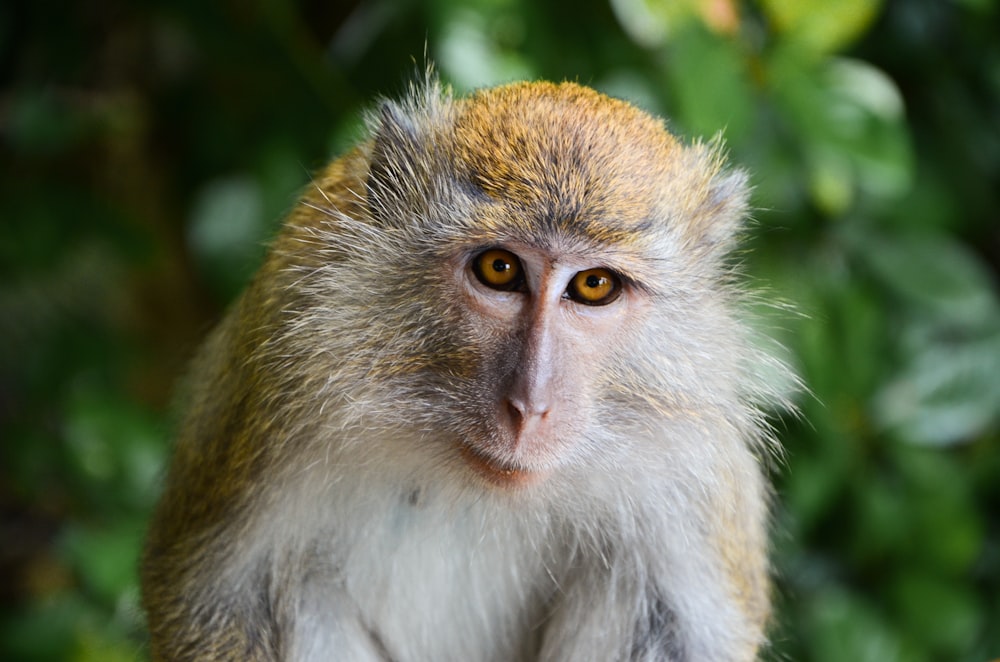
(353, 375)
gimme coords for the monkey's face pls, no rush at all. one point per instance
(495, 269)
(544, 323)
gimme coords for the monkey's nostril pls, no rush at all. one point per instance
(515, 414)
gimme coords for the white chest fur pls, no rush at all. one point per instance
(423, 574)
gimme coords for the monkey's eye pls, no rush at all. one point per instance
(594, 287)
(498, 269)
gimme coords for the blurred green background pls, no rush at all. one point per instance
(149, 149)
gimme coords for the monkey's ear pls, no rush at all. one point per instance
(396, 171)
(715, 226)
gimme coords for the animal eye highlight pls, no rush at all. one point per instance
(499, 270)
(594, 287)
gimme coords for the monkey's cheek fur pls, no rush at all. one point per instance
(500, 474)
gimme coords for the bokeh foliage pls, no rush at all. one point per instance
(150, 148)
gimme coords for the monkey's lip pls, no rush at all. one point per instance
(498, 473)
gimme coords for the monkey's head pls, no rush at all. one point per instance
(516, 279)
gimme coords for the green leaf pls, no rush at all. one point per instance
(934, 273)
(106, 558)
(947, 387)
(116, 446)
(946, 392)
(227, 231)
(649, 23)
(849, 122)
(942, 615)
(841, 626)
(947, 531)
(96, 646)
(471, 56)
(821, 26)
(710, 83)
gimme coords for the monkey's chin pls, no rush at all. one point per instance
(501, 475)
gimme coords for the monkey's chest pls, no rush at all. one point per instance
(447, 583)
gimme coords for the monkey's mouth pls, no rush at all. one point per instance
(496, 472)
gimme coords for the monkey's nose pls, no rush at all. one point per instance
(524, 415)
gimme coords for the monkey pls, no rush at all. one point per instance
(491, 396)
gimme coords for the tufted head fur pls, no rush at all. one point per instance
(335, 407)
